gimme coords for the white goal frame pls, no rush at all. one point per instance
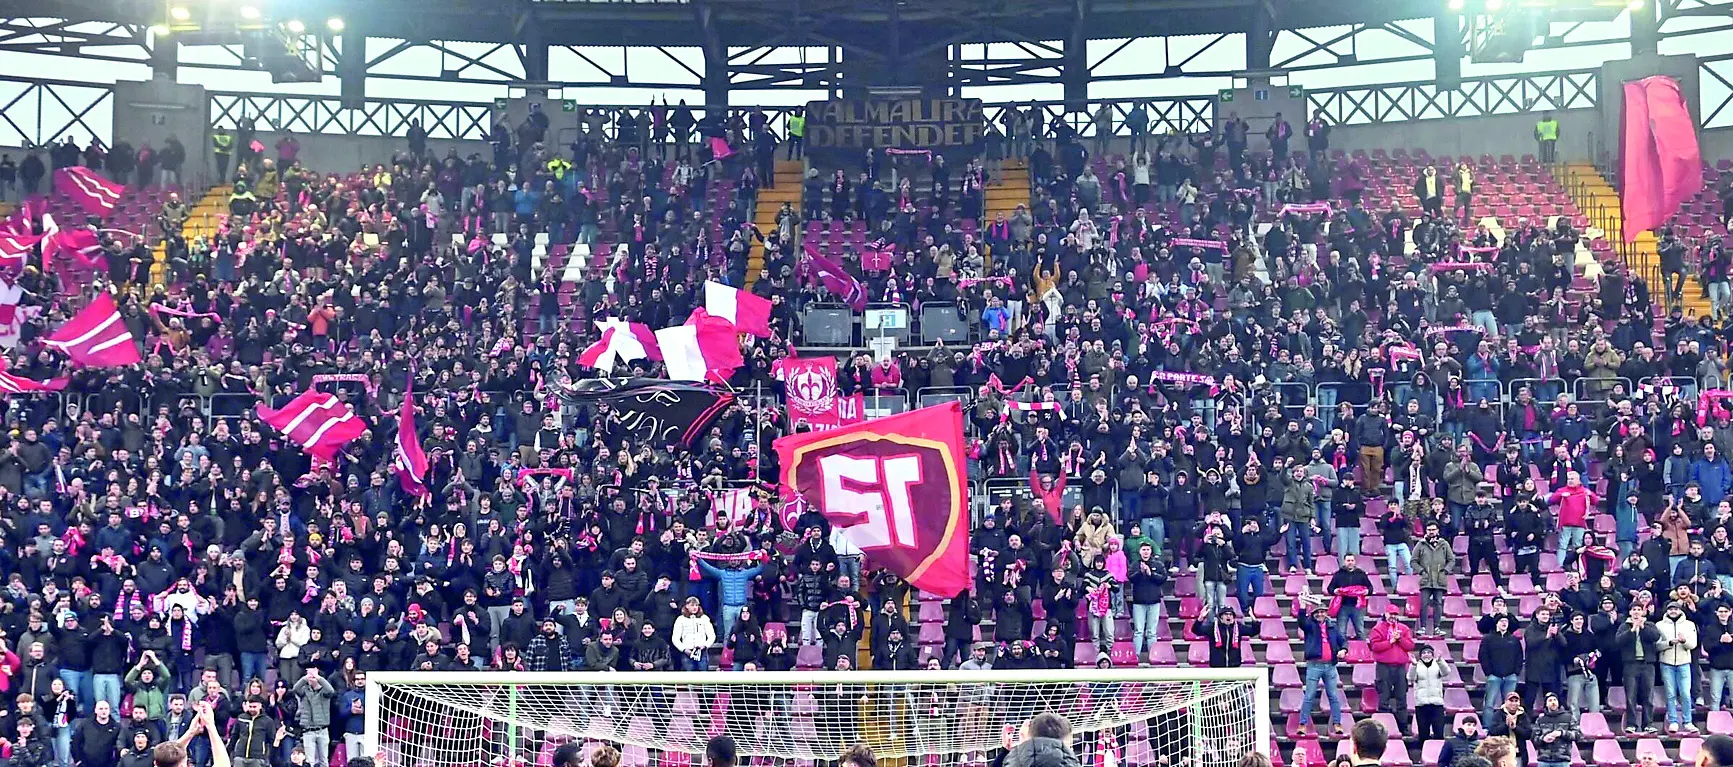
(1258, 676)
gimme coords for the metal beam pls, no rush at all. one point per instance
(1075, 73)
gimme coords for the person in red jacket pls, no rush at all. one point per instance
(1392, 644)
(1573, 502)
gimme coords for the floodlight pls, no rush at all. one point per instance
(334, 24)
(179, 13)
(295, 26)
(249, 12)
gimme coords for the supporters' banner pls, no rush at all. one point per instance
(1187, 242)
(895, 487)
(851, 125)
(809, 388)
(658, 412)
(1184, 379)
(409, 461)
(733, 504)
(836, 279)
(1463, 266)
(1315, 207)
(97, 336)
(94, 194)
(317, 421)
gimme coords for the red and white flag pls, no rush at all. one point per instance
(317, 421)
(79, 243)
(15, 384)
(23, 221)
(409, 462)
(705, 348)
(746, 312)
(97, 336)
(94, 194)
(15, 250)
(621, 342)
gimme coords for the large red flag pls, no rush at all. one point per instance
(896, 487)
(97, 336)
(15, 249)
(809, 386)
(317, 421)
(80, 243)
(1662, 162)
(706, 348)
(410, 461)
(94, 194)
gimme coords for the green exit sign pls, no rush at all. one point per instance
(1296, 91)
(569, 105)
(1226, 95)
(499, 104)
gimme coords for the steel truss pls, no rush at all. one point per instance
(1479, 97)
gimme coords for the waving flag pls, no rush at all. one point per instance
(1662, 162)
(746, 312)
(409, 462)
(895, 487)
(94, 194)
(97, 337)
(836, 279)
(317, 421)
(15, 250)
(80, 243)
(23, 221)
(16, 384)
(705, 348)
(621, 342)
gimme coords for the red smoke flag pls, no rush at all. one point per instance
(746, 312)
(15, 384)
(97, 337)
(94, 194)
(317, 421)
(409, 462)
(895, 487)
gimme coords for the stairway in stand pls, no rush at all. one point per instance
(1597, 198)
(1006, 191)
(203, 220)
(788, 180)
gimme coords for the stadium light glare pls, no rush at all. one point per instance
(334, 24)
(1456, 5)
(1494, 5)
(159, 30)
(179, 13)
(1635, 5)
(249, 12)
(295, 26)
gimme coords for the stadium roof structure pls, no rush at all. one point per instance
(865, 25)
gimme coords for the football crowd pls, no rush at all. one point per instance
(1191, 384)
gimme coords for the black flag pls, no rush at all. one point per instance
(652, 410)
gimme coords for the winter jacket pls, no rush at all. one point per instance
(1433, 562)
(1561, 724)
(1678, 640)
(1573, 505)
(315, 694)
(693, 634)
(1391, 642)
(1427, 681)
(736, 584)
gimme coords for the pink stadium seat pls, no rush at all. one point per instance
(1651, 747)
(1608, 753)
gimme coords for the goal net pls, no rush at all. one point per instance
(1120, 717)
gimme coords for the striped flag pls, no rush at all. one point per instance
(746, 312)
(317, 421)
(80, 243)
(97, 336)
(16, 384)
(94, 194)
(15, 250)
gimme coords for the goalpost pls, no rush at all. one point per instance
(1185, 717)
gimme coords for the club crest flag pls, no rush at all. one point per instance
(896, 487)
